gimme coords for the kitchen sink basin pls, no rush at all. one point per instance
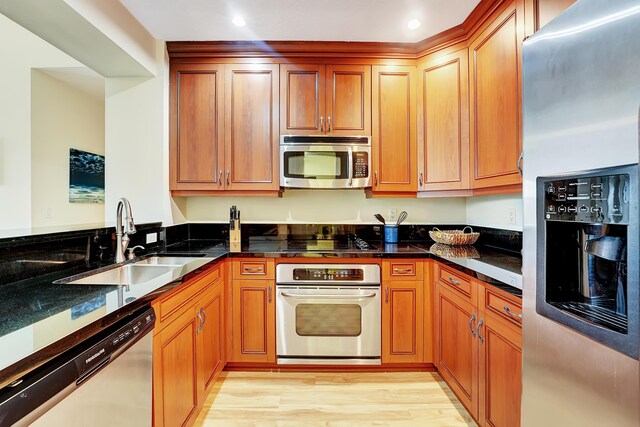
(166, 260)
(131, 274)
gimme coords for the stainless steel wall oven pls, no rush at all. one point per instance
(328, 313)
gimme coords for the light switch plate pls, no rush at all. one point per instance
(152, 237)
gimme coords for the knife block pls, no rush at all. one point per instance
(235, 237)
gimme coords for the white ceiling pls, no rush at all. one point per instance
(347, 20)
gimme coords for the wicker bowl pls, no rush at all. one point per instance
(454, 237)
(448, 251)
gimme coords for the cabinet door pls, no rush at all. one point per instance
(496, 119)
(197, 127)
(211, 338)
(348, 100)
(302, 99)
(500, 373)
(254, 323)
(402, 322)
(456, 348)
(251, 127)
(394, 129)
(175, 371)
(443, 122)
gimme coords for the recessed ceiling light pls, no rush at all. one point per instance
(414, 24)
(239, 21)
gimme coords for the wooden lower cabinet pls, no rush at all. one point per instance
(478, 349)
(188, 349)
(254, 321)
(402, 321)
(500, 373)
(456, 349)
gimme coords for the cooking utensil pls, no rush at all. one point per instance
(403, 215)
(380, 218)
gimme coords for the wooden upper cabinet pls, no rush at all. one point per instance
(495, 87)
(318, 99)
(443, 122)
(251, 127)
(196, 126)
(394, 142)
(546, 10)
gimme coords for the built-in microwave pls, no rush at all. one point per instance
(325, 162)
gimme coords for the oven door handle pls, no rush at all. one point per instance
(289, 295)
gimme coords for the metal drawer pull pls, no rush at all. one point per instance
(420, 179)
(253, 269)
(454, 281)
(289, 295)
(269, 295)
(403, 270)
(478, 331)
(473, 317)
(519, 165)
(328, 123)
(321, 124)
(204, 316)
(511, 313)
(199, 316)
(375, 176)
(386, 294)
(220, 177)
(228, 173)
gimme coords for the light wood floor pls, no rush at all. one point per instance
(279, 399)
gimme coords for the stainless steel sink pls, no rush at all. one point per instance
(131, 274)
(167, 260)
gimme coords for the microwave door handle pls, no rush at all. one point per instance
(350, 166)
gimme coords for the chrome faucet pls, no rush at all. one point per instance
(122, 237)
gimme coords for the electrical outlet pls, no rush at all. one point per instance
(391, 215)
(512, 216)
(152, 237)
(48, 213)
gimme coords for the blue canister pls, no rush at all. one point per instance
(391, 234)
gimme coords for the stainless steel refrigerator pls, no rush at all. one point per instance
(581, 107)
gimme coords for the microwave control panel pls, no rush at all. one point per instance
(592, 199)
(360, 165)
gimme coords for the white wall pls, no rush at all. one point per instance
(21, 51)
(62, 117)
(503, 211)
(323, 206)
(136, 144)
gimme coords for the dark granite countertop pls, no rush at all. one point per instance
(39, 319)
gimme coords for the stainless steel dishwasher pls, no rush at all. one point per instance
(106, 381)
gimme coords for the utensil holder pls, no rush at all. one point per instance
(235, 237)
(391, 234)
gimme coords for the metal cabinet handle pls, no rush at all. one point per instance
(220, 177)
(228, 173)
(478, 331)
(199, 316)
(511, 313)
(386, 295)
(321, 124)
(519, 166)
(328, 123)
(204, 316)
(420, 179)
(269, 294)
(402, 270)
(473, 317)
(454, 281)
(350, 166)
(375, 178)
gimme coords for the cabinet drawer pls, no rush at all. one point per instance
(402, 270)
(503, 306)
(170, 304)
(455, 281)
(253, 269)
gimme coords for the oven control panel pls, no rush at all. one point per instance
(360, 165)
(328, 274)
(592, 199)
